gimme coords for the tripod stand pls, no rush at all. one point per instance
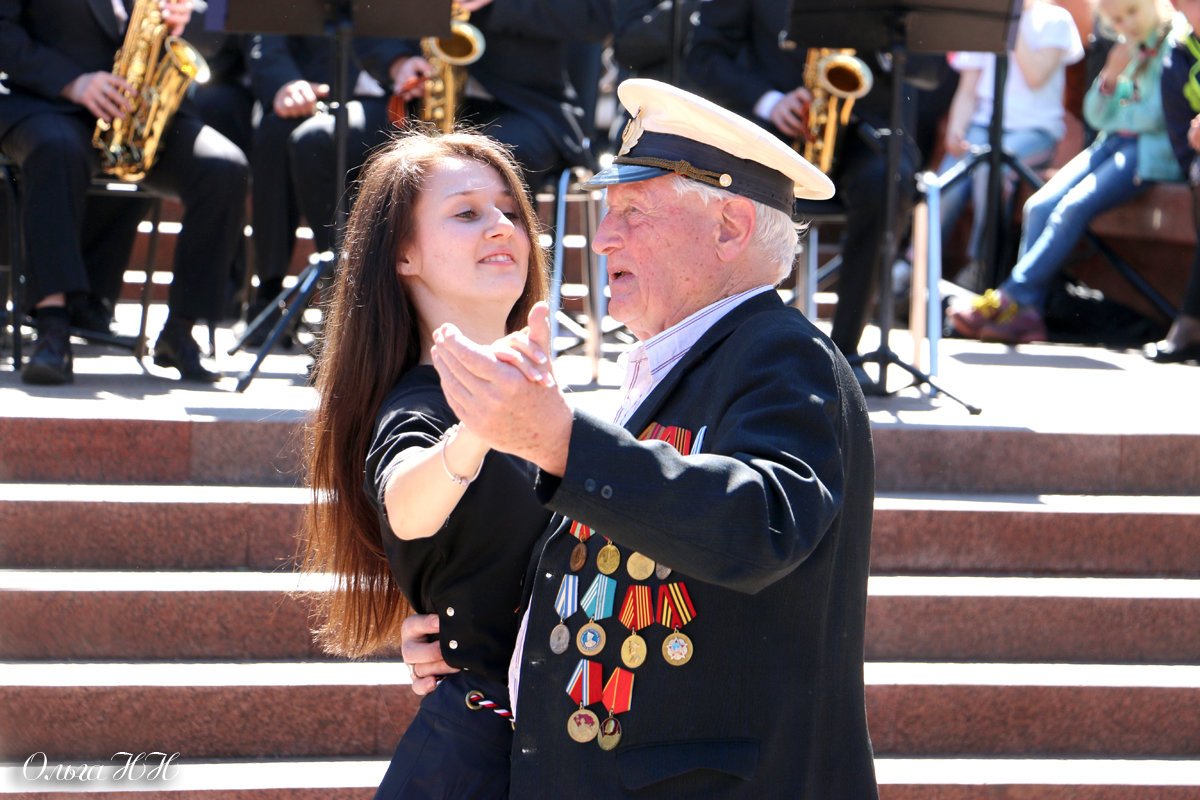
(337, 20)
(891, 26)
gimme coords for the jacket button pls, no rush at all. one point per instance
(606, 492)
(450, 611)
(454, 644)
(589, 485)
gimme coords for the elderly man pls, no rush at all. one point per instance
(694, 623)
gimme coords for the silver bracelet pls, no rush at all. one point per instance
(457, 480)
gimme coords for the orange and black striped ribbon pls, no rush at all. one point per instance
(675, 607)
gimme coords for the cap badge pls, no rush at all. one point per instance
(631, 134)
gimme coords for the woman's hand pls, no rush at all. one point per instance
(527, 351)
(422, 652)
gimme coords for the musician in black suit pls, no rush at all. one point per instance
(700, 615)
(737, 61)
(294, 158)
(59, 55)
(519, 90)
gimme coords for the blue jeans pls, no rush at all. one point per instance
(1101, 177)
(1034, 147)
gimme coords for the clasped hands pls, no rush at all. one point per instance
(506, 393)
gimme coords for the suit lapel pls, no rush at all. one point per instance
(102, 10)
(711, 338)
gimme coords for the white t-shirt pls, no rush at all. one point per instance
(1042, 25)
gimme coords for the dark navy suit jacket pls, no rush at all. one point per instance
(768, 526)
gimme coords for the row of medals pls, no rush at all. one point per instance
(583, 725)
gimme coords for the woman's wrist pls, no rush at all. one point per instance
(462, 454)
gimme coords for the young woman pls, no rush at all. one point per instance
(1047, 42)
(409, 509)
(1125, 105)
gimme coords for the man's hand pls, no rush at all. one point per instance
(1193, 137)
(790, 114)
(530, 419)
(422, 653)
(102, 93)
(176, 14)
(299, 98)
(408, 77)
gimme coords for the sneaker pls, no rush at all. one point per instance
(1023, 327)
(993, 306)
(179, 350)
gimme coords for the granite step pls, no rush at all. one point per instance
(1035, 534)
(261, 448)
(320, 710)
(356, 779)
(160, 526)
(205, 710)
(257, 615)
(137, 526)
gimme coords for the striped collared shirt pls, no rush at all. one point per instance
(647, 363)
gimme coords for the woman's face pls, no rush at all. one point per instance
(469, 247)
(1133, 19)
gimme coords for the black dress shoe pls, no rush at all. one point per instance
(177, 348)
(92, 314)
(51, 363)
(1165, 353)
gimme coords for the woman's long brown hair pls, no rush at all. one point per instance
(371, 339)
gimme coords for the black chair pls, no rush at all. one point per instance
(15, 266)
(810, 272)
(588, 334)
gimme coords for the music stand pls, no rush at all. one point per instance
(338, 20)
(897, 27)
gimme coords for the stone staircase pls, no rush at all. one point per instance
(1033, 624)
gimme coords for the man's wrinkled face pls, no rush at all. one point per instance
(661, 255)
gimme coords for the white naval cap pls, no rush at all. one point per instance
(677, 131)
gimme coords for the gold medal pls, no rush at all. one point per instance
(610, 734)
(560, 639)
(590, 639)
(639, 567)
(582, 725)
(661, 571)
(677, 649)
(578, 556)
(633, 651)
(608, 559)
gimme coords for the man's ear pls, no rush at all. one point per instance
(735, 227)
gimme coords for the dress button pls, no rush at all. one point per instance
(606, 492)
(589, 485)
(450, 611)
(454, 644)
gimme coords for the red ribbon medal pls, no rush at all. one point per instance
(617, 698)
(584, 689)
(635, 614)
(679, 438)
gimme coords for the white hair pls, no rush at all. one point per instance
(775, 233)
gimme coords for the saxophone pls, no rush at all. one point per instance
(836, 78)
(448, 56)
(160, 68)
